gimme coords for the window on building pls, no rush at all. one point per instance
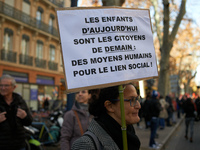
(8, 10)
(51, 23)
(39, 49)
(8, 39)
(26, 6)
(25, 45)
(52, 53)
(39, 15)
(61, 62)
(10, 2)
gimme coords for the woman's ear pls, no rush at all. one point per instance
(109, 106)
(89, 96)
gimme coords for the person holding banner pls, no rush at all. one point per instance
(104, 131)
(76, 120)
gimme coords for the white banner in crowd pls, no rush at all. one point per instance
(106, 46)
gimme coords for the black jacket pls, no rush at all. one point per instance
(155, 107)
(189, 109)
(146, 109)
(12, 132)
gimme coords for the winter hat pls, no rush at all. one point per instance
(154, 93)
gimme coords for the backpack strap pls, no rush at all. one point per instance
(94, 139)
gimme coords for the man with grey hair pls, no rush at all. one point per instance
(14, 114)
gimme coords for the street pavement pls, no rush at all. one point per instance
(163, 135)
(178, 141)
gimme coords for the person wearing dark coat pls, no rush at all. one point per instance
(197, 102)
(146, 111)
(107, 125)
(14, 115)
(189, 109)
(46, 104)
(170, 110)
(155, 108)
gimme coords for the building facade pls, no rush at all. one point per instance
(30, 49)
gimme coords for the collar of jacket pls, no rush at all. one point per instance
(17, 99)
(77, 108)
(102, 135)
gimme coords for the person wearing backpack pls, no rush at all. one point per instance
(105, 129)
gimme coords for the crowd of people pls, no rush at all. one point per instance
(95, 121)
(159, 112)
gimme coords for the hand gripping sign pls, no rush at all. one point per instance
(105, 46)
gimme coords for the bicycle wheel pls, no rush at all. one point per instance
(34, 147)
(47, 139)
(28, 147)
(44, 137)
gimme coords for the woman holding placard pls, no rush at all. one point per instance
(105, 130)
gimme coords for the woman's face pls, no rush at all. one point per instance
(131, 113)
(83, 96)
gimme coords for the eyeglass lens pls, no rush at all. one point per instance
(133, 101)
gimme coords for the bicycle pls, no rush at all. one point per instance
(44, 136)
(31, 142)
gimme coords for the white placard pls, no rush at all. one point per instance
(106, 45)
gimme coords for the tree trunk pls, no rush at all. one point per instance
(73, 3)
(167, 45)
(112, 2)
(164, 71)
(165, 50)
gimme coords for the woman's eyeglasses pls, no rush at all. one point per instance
(133, 100)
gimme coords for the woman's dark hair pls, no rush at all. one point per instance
(96, 103)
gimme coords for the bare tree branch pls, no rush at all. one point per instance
(178, 20)
(166, 23)
(157, 21)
